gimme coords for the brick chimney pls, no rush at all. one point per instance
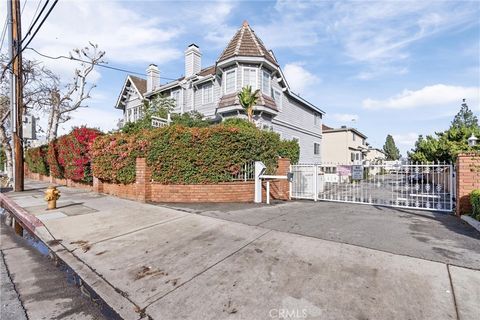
(153, 77)
(193, 60)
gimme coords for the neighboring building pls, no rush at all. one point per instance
(212, 91)
(375, 155)
(343, 145)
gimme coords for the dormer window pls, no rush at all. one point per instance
(266, 82)
(250, 77)
(230, 81)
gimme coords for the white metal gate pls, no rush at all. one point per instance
(426, 186)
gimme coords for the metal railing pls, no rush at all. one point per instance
(246, 172)
(158, 122)
(427, 186)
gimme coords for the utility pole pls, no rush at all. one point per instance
(16, 97)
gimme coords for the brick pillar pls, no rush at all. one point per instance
(280, 189)
(468, 179)
(97, 185)
(143, 182)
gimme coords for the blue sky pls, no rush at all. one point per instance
(396, 67)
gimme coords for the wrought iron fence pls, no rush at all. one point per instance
(245, 172)
(427, 186)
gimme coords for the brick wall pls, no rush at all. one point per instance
(468, 179)
(62, 182)
(145, 190)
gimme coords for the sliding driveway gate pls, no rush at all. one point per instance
(428, 186)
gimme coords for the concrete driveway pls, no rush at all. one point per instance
(422, 234)
(288, 261)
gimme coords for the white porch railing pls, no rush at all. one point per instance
(158, 122)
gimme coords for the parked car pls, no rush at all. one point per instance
(417, 178)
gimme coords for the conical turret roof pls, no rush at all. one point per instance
(246, 43)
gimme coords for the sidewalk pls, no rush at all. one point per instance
(32, 287)
(146, 260)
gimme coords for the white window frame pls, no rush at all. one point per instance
(275, 90)
(268, 92)
(177, 101)
(353, 136)
(204, 89)
(319, 149)
(256, 77)
(234, 71)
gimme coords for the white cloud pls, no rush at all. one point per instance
(300, 79)
(93, 118)
(125, 35)
(405, 139)
(430, 96)
(377, 35)
(345, 117)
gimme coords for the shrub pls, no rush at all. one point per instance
(56, 170)
(289, 149)
(475, 201)
(74, 154)
(182, 155)
(190, 119)
(69, 155)
(36, 159)
(114, 156)
(239, 123)
(204, 155)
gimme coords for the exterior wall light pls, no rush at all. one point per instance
(472, 141)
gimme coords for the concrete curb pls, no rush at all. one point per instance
(474, 223)
(29, 221)
(110, 295)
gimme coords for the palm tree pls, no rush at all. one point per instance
(248, 99)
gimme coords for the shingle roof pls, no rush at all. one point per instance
(140, 83)
(232, 99)
(324, 127)
(246, 43)
(207, 71)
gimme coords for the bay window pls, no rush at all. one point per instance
(230, 81)
(266, 82)
(250, 77)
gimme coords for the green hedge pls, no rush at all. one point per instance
(114, 156)
(36, 159)
(475, 201)
(183, 155)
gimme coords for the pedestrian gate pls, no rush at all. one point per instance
(426, 186)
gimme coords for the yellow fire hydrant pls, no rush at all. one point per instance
(51, 196)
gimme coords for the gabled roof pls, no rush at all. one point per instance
(343, 129)
(246, 43)
(138, 84)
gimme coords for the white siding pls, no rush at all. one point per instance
(305, 141)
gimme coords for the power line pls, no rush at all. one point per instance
(24, 4)
(35, 14)
(7, 66)
(4, 32)
(97, 64)
(34, 20)
(40, 25)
